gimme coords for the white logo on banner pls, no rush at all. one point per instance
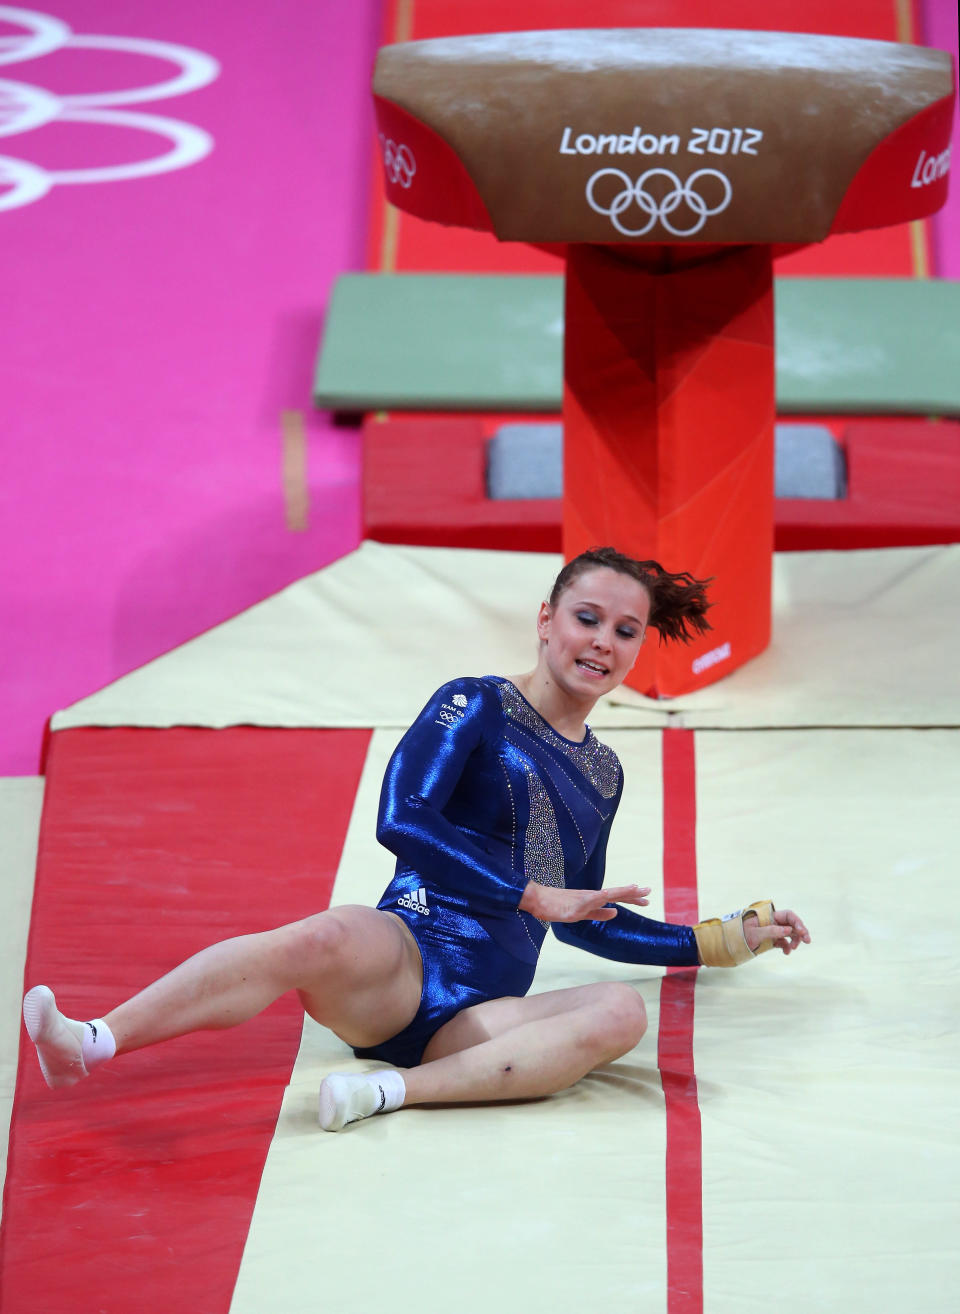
(659, 208)
(930, 168)
(24, 106)
(711, 658)
(398, 162)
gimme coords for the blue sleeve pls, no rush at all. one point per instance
(420, 778)
(629, 937)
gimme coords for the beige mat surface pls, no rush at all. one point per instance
(21, 801)
(861, 638)
(476, 1208)
(828, 1081)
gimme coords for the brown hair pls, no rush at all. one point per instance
(678, 603)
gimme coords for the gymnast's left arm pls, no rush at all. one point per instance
(629, 937)
(717, 942)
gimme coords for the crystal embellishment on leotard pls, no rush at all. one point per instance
(542, 850)
(598, 763)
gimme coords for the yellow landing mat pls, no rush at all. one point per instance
(826, 1080)
(860, 638)
(21, 801)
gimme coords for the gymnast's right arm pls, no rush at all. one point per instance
(420, 778)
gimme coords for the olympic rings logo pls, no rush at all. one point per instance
(659, 208)
(24, 107)
(398, 162)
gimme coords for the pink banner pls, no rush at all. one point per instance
(939, 28)
(179, 186)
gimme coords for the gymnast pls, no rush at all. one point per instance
(497, 803)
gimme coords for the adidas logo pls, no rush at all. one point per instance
(416, 902)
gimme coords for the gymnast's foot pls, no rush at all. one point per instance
(67, 1050)
(59, 1040)
(347, 1096)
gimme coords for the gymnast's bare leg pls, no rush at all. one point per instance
(504, 1049)
(356, 970)
(523, 1048)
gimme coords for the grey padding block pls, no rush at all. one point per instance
(809, 463)
(526, 461)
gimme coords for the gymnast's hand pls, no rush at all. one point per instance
(788, 931)
(551, 904)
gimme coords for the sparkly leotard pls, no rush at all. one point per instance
(481, 796)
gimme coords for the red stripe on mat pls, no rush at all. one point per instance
(675, 1040)
(135, 1189)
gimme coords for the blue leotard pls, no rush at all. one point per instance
(481, 796)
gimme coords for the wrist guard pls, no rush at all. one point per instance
(721, 941)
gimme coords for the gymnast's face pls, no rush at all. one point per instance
(591, 638)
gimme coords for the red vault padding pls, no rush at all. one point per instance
(668, 439)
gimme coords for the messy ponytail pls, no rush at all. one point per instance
(678, 603)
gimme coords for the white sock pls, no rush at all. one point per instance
(348, 1096)
(59, 1039)
(97, 1044)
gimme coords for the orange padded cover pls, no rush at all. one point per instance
(668, 440)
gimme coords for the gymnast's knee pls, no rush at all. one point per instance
(319, 946)
(624, 1017)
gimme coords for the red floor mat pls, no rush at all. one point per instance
(903, 476)
(135, 1189)
(424, 482)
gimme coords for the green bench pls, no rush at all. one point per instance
(481, 342)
